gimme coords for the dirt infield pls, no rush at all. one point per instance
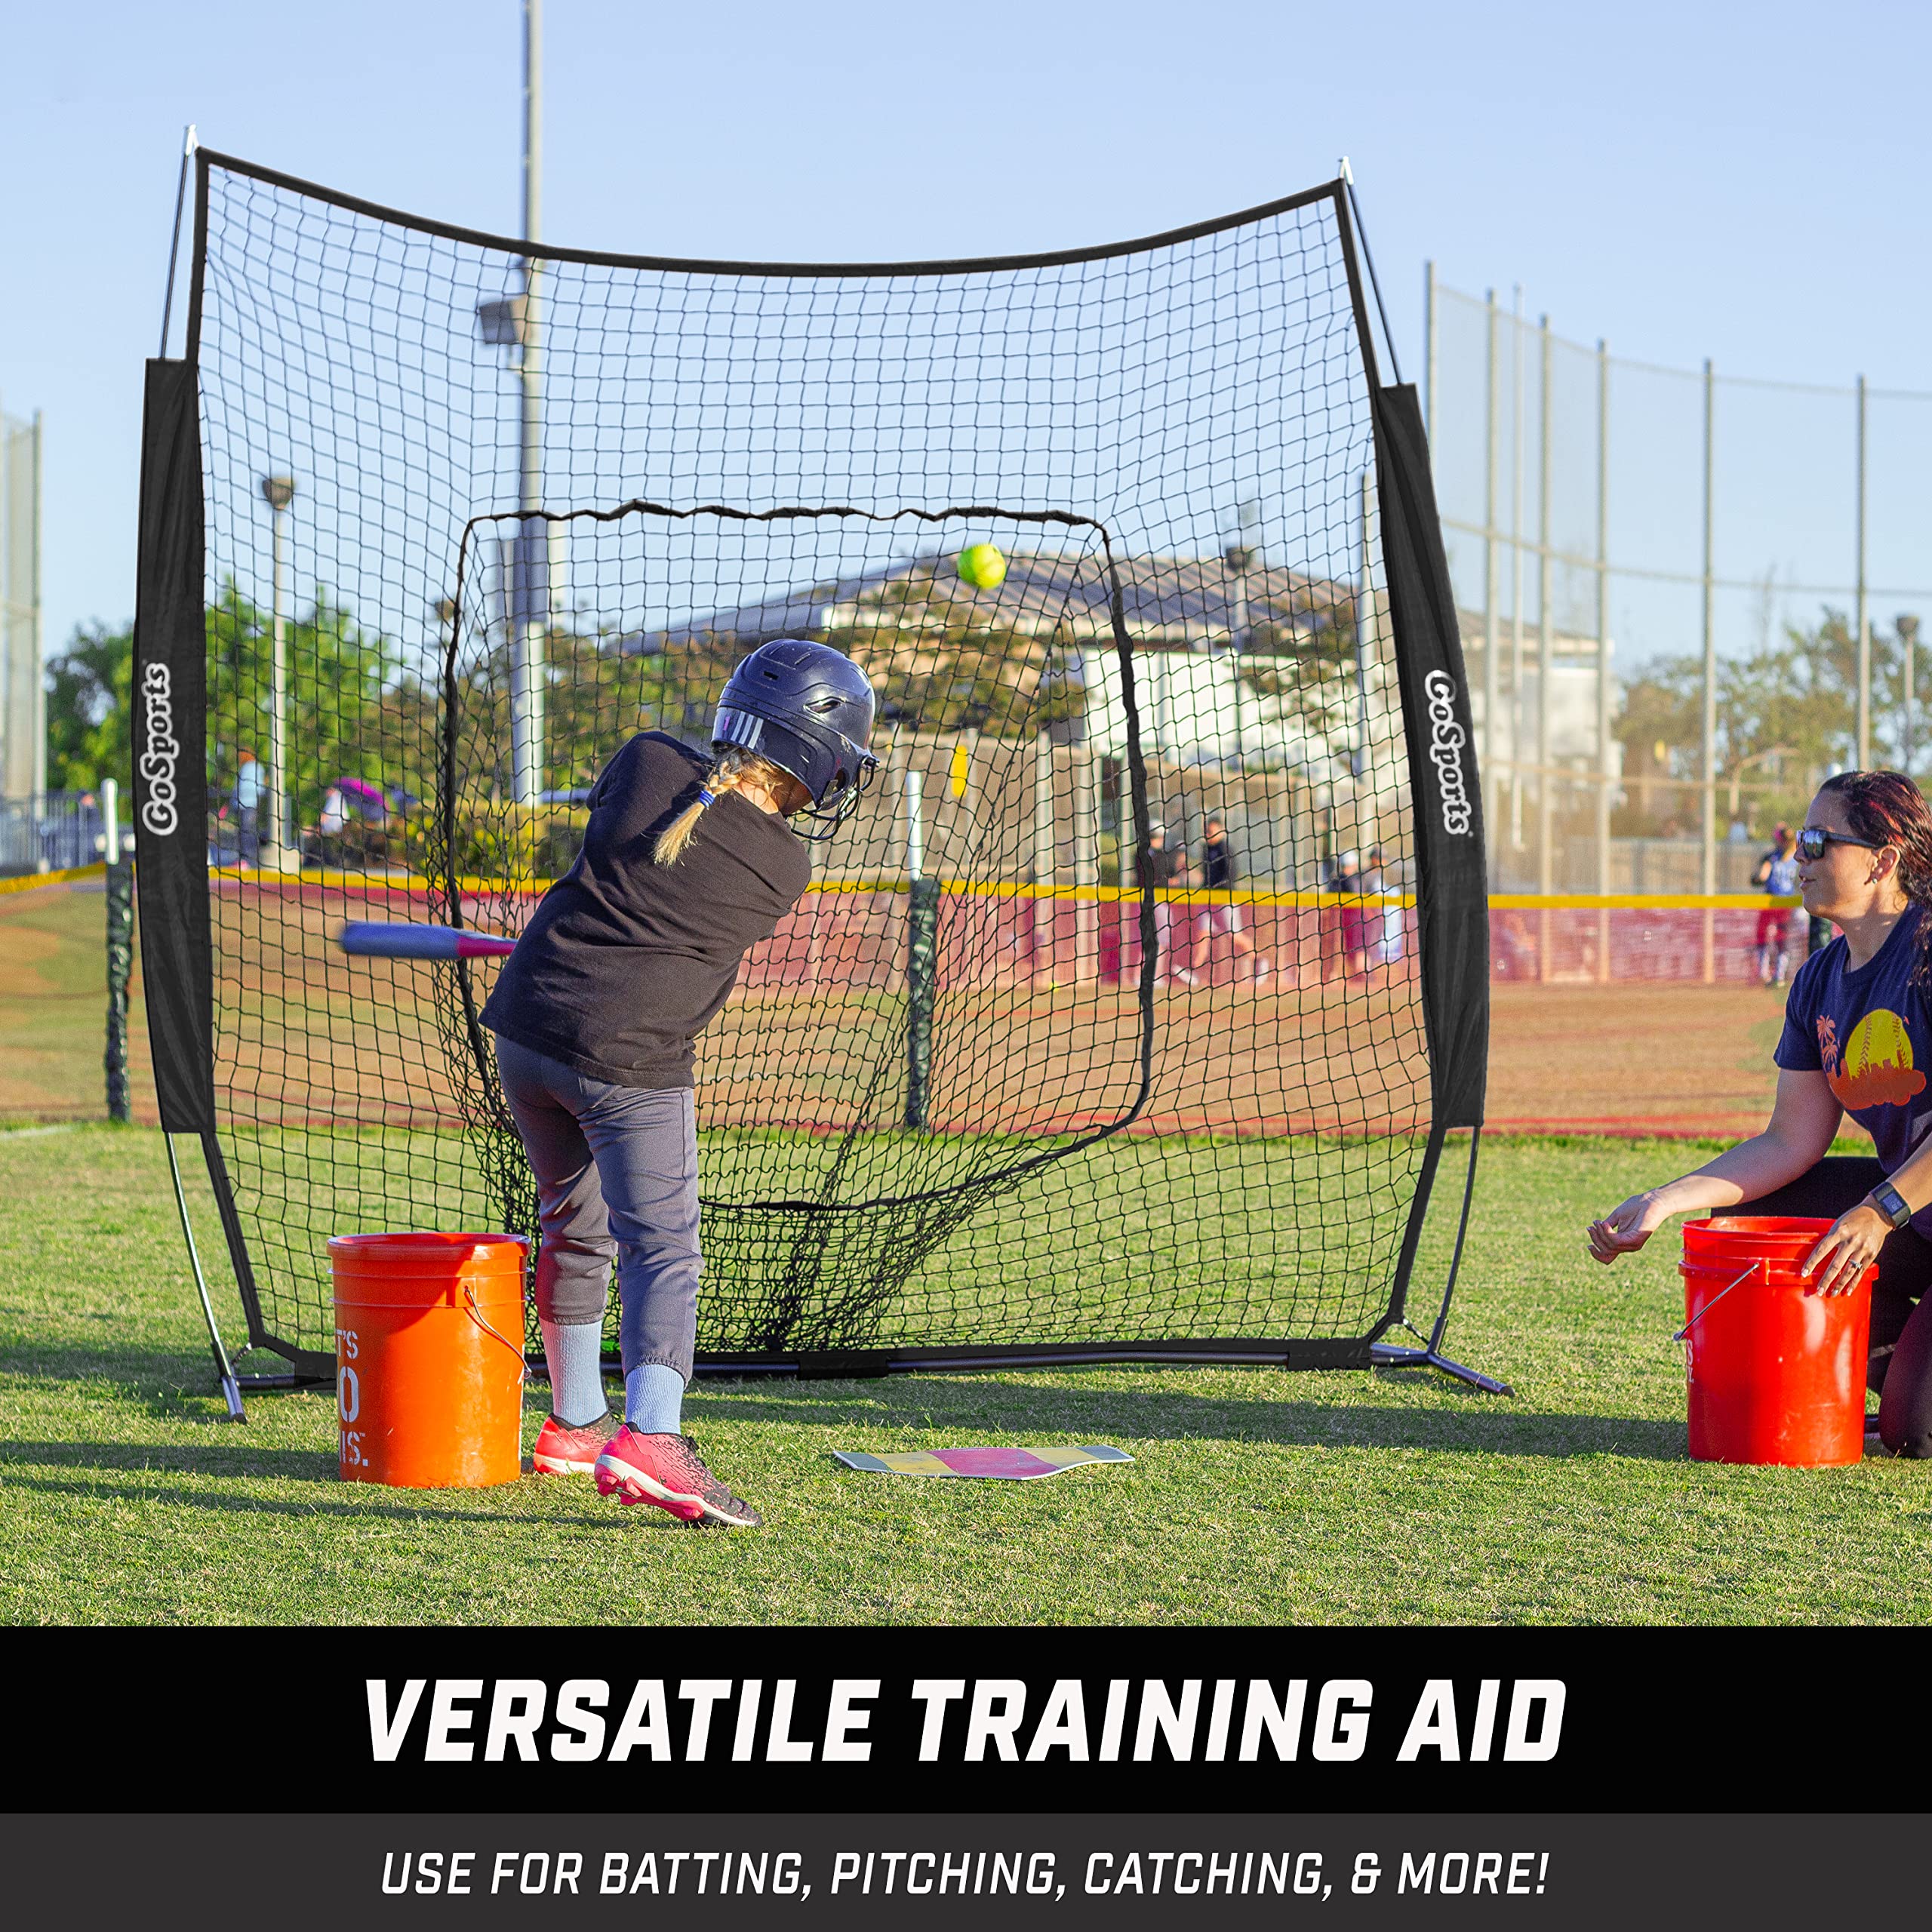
(1632, 1058)
(313, 1042)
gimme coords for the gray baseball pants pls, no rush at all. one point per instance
(617, 1179)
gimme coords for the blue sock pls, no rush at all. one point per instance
(572, 1353)
(654, 1399)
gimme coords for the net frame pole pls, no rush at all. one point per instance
(1293, 1353)
(1384, 1353)
(189, 144)
(224, 1370)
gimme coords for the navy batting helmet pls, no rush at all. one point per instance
(808, 709)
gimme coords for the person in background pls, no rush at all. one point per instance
(330, 823)
(1218, 873)
(1166, 871)
(1777, 873)
(1338, 874)
(1361, 925)
(244, 804)
(1382, 926)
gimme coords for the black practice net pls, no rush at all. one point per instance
(1003, 1080)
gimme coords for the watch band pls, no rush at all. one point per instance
(1890, 1203)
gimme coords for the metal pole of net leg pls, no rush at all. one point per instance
(231, 1388)
(1389, 1354)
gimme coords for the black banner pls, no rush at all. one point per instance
(1216, 1722)
(1452, 886)
(170, 774)
(642, 1854)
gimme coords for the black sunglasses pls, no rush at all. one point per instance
(1813, 840)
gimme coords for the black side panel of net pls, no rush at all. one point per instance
(1103, 1030)
(170, 725)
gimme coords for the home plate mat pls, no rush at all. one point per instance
(1015, 1465)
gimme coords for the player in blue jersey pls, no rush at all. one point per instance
(1857, 1040)
(1777, 873)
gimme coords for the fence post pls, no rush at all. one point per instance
(1492, 691)
(1603, 657)
(1429, 361)
(120, 955)
(1546, 646)
(1516, 461)
(922, 957)
(1710, 721)
(1864, 616)
(1046, 862)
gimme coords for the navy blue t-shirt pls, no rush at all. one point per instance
(1869, 1032)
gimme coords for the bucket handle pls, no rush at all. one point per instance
(1714, 1299)
(482, 1321)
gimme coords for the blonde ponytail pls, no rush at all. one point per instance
(734, 770)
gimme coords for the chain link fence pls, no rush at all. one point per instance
(1601, 513)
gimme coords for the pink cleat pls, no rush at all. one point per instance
(665, 1470)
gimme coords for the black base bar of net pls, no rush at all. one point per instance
(432, 522)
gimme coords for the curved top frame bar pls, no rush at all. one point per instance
(207, 159)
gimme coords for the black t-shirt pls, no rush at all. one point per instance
(625, 962)
(1217, 866)
(1159, 866)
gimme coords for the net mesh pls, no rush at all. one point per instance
(1107, 1115)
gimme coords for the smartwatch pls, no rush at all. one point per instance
(1890, 1203)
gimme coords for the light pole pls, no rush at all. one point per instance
(277, 852)
(531, 614)
(1241, 557)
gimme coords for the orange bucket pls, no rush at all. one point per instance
(1777, 1370)
(429, 1370)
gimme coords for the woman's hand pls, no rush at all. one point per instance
(1850, 1246)
(1625, 1228)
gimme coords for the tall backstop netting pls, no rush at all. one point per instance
(432, 522)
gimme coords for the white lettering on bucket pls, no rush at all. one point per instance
(349, 1400)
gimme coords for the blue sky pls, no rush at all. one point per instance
(1747, 182)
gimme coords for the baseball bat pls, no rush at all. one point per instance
(373, 939)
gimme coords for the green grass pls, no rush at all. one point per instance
(1256, 1497)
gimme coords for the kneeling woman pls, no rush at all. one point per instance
(686, 865)
(1857, 1040)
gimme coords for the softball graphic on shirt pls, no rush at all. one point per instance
(1876, 1069)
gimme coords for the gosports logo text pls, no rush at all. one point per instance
(163, 751)
(1446, 740)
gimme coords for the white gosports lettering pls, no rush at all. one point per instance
(161, 751)
(1446, 740)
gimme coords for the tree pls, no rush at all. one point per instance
(89, 714)
(336, 673)
(1787, 716)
